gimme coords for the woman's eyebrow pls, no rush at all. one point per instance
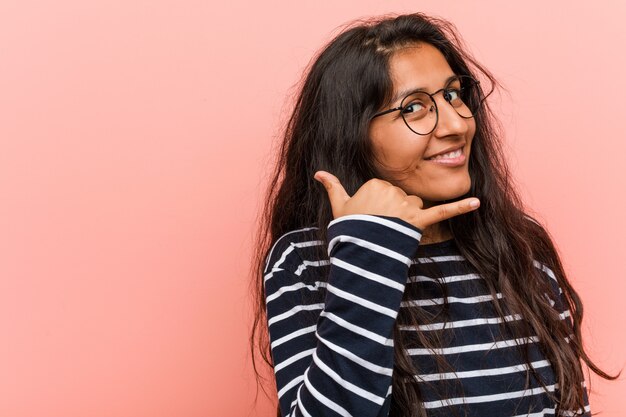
(407, 91)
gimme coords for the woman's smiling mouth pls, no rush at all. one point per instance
(454, 158)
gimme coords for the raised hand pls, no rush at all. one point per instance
(381, 197)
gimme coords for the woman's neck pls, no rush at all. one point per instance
(435, 233)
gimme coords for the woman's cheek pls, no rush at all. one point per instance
(408, 151)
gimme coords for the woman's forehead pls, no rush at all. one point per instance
(419, 66)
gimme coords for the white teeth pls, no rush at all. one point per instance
(449, 155)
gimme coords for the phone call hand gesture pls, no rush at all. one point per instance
(380, 197)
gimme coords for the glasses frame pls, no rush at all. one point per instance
(476, 85)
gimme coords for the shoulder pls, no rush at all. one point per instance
(284, 275)
(287, 249)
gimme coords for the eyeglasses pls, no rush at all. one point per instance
(419, 109)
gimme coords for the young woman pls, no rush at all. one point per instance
(398, 273)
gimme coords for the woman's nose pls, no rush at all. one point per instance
(450, 123)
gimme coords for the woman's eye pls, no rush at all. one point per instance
(413, 107)
(453, 94)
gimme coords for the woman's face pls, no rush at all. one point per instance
(400, 154)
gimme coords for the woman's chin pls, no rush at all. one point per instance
(437, 198)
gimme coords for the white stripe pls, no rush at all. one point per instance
(303, 410)
(366, 274)
(384, 222)
(293, 335)
(435, 301)
(294, 311)
(290, 385)
(270, 274)
(345, 384)
(276, 266)
(358, 330)
(362, 301)
(550, 300)
(269, 256)
(326, 401)
(436, 259)
(481, 372)
(369, 245)
(486, 398)
(548, 272)
(308, 243)
(354, 358)
(291, 407)
(447, 280)
(283, 257)
(541, 413)
(294, 287)
(293, 359)
(471, 348)
(461, 323)
(545, 269)
(304, 265)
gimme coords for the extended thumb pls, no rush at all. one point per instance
(319, 176)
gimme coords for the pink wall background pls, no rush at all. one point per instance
(134, 137)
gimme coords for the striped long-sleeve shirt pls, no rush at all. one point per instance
(331, 323)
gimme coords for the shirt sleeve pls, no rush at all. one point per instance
(335, 357)
(558, 302)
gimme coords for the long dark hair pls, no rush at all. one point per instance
(328, 130)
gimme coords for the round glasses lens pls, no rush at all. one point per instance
(419, 113)
(463, 96)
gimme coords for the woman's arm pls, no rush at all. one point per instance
(335, 357)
